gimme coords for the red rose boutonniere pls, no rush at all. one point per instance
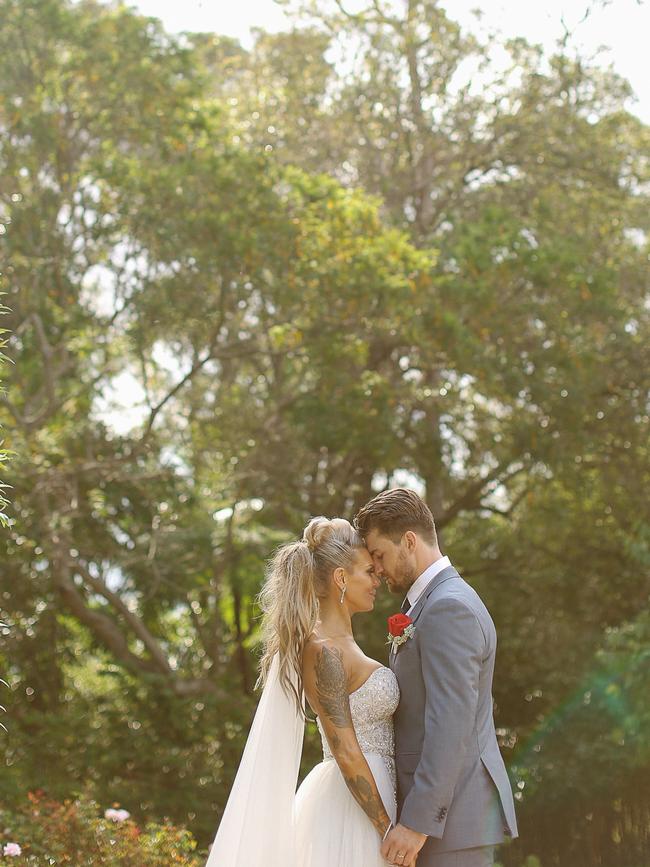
(400, 629)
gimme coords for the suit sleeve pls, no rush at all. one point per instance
(452, 647)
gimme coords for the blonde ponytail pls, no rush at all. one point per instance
(297, 576)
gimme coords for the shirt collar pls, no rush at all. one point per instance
(423, 580)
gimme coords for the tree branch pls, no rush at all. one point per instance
(108, 633)
(136, 625)
(472, 497)
(103, 627)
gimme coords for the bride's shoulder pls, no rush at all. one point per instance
(320, 646)
(323, 656)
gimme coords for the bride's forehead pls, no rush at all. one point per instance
(362, 558)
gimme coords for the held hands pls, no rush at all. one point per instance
(402, 845)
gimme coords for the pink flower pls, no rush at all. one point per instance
(12, 849)
(116, 815)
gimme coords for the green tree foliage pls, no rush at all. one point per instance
(316, 272)
(590, 758)
(531, 430)
(203, 270)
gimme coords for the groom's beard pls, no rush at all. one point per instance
(404, 575)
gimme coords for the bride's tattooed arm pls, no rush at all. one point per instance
(331, 687)
(326, 687)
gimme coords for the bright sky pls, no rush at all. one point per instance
(623, 26)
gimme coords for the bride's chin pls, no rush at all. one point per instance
(370, 607)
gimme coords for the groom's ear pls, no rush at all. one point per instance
(410, 539)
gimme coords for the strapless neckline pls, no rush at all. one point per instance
(367, 680)
(372, 706)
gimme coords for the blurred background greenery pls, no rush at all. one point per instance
(248, 286)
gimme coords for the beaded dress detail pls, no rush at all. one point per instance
(372, 706)
(332, 829)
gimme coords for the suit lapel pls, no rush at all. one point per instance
(436, 581)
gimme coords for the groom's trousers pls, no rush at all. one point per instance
(482, 856)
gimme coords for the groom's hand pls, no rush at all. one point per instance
(402, 845)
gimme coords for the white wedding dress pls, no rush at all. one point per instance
(266, 823)
(332, 829)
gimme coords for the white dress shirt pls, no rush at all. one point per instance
(416, 588)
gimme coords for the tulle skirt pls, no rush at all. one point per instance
(332, 829)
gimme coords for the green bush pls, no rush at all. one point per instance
(78, 832)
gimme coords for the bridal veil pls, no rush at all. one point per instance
(258, 824)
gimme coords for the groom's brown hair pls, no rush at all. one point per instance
(394, 512)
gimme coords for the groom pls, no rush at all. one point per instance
(454, 797)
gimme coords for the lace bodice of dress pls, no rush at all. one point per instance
(372, 706)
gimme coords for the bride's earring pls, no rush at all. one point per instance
(343, 593)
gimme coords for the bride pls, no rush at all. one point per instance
(346, 805)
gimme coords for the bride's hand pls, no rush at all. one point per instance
(410, 864)
(402, 845)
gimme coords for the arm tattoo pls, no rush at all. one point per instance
(331, 687)
(368, 800)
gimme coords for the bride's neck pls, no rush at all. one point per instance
(335, 621)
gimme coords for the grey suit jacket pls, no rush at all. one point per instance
(452, 782)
